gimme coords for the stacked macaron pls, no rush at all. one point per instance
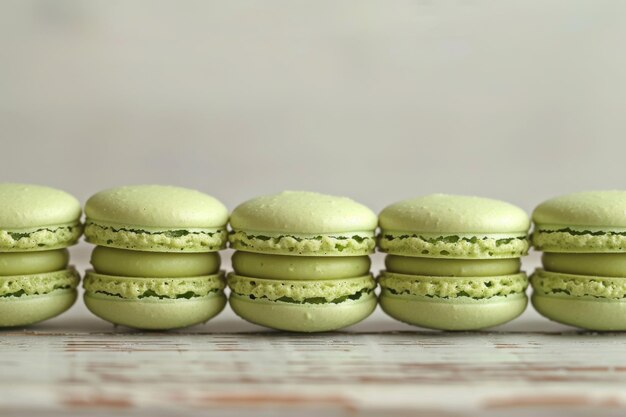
(156, 265)
(583, 279)
(302, 261)
(453, 262)
(37, 224)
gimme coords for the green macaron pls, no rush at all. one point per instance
(302, 261)
(156, 266)
(36, 224)
(453, 261)
(583, 279)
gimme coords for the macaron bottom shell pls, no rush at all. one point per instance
(591, 314)
(152, 313)
(38, 294)
(31, 309)
(587, 301)
(461, 313)
(305, 318)
(154, 303)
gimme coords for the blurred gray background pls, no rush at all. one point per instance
(377, 100)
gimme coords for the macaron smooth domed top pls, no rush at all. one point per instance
(156, 218)
(301, 212)
(156, 206)
(446, 214)
(592, 221)
(26, 206)
(587, 209)
(36, 218)
(453, 226)
(303, 223)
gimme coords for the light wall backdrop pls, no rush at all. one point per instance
(377, 100)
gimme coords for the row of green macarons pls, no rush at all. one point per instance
(302, 259)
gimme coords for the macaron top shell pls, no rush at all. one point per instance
(300, 212)
(585, 222)
(156, 218)
(456, 227)
(597, 209)
(156, 206)
(26, 206)
(447, 214)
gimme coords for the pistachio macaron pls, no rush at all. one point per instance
(156, 265)
(302, 261)
(37, 223)
(453, 261)
(583, 279)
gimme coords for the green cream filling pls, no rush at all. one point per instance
(33, 262)
(568, 239)
(262, 265)
(414, 265)
(40, 239)
(133, 263)
(453, 287)
(161, 288)
(595, 264)
(579, 286)
(156, 240)
(38, 284)
(304, 245)
(454, 245)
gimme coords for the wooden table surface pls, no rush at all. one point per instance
(77, 364)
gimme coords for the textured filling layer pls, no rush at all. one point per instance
(411, 265)
(196, 240)
(453, 246)
(327, 245)
(568, 285)
(162, 288)
(453, 287)
(299, 267)
(33, 262)
(121, 262)
(46, 238)
(38, 284)
(578, 240)
(300, 291)
(595, 264)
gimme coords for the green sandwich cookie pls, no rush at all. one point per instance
(158, 268)
(302, 262)
(453, 262)
(583, 279)
(36, 225)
